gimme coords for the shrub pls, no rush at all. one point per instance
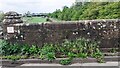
(14, 49)
(82, 55)
(48, 52)
(17, 49)
(3, 47)
(33, 50)
(30, 50)
(25, 50)
(71, 55)
(9, 49)
(50, 56)
(65, 61)
(81, 48)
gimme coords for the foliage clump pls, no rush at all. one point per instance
(88, 11)
(78, 48)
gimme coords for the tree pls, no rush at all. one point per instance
(89, 10)
(1, 16)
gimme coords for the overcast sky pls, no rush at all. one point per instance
(23, 6)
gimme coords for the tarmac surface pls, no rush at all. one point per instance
(76, 65)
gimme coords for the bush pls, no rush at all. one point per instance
(82, 55)
(3, 47)
(90, 10)
(48, 52)
(1, 16)
(9, 49)
(65, 61)
(81, 48)
(33, 50)
(50, 56)
(71, 55)
(17, 49)
(25, 50)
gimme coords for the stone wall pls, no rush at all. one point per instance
(105, 31)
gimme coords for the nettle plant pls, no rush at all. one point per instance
(9, 49)
(77, 48)
(82, 48)
(48, 52)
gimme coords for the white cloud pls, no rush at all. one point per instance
(33, 5)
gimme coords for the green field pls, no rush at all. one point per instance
(34, 19)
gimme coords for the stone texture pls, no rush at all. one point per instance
(12, 18)
(105, 31)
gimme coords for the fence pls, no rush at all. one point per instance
(105, 31)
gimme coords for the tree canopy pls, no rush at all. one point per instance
(1, 16)
(88, 10)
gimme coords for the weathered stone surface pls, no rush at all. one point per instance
(12, 18)
(105, 31)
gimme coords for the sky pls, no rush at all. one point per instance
(34, 6)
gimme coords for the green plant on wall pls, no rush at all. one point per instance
(9, 49)
(65, 61)
(77, 48)
(3, 47)
(14, 49)
(50, 56)
(81, 45)
(33, 50)
(82, 55)
(48, 52)
(98, 55)
(13, 58)
(71, 55)
(25, 50)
